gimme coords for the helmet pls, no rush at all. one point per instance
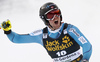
(47, 7)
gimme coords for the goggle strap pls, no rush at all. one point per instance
(50, 10)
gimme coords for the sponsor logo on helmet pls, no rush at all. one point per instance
(51, 5)
(42, 7)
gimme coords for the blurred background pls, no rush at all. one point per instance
(24, 16)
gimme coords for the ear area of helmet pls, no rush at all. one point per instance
(42, 17)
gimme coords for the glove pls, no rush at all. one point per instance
(6, 25)
(84, 60)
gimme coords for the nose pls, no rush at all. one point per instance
(55, 16)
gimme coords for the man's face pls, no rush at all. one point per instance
(54, 18)
(55, 23)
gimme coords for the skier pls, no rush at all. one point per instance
(61, 40)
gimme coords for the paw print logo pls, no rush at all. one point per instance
(65, 39)
(78, 59)
(74, 61)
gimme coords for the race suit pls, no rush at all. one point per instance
(63, 44)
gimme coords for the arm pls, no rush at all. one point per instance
(81, 40)
(17, 38)
(26, 38)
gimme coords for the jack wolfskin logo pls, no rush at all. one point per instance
(65, 39)
(55, 45)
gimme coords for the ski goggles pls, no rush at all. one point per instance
(51, 15)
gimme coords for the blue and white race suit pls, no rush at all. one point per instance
(54, 45)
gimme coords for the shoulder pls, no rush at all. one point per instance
(36, 32)
(68, 26)
(71, 27)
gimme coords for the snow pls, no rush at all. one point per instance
(24, 16)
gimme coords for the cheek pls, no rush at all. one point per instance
(59, 19)
(51, 21)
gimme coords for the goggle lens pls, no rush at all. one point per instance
(51, 14)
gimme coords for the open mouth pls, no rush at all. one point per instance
(56, 22)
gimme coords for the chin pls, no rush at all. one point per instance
(57, 26)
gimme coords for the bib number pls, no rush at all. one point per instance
(61, 53)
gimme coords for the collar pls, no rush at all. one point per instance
(57, 30)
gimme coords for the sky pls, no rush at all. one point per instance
(24, 17)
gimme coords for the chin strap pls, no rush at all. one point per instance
(51, 27)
